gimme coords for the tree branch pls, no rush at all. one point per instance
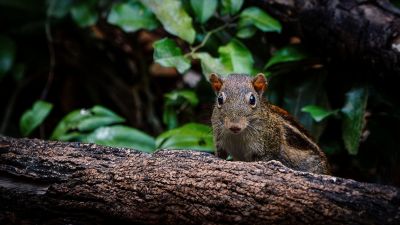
(52, 182)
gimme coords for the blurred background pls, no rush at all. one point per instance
(132, 73)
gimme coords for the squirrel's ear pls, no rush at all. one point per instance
(260, 83)
(216, 82)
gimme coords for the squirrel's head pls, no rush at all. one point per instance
(239, 98)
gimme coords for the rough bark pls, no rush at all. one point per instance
(67, 183)
(357, 30)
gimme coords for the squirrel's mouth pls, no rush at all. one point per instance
(235, 127)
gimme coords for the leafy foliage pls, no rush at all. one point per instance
(101, 126)
(190, 136)
(286, 54)
(173, 17)
(114, 52)
(353, 118)
(318, 113)
(32, 118)
(231, 7)
(121, 136)
(132, 16)
(167, 53)
(233, 58)
(204, 9)
(84, 13)
(96, 125)
(210, 64)
(254, 17)
(236, 57)
(175, 102)
(72, 126)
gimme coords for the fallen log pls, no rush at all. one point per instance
(360, 31)
(45, 182)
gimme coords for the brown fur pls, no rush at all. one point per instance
(267, 132)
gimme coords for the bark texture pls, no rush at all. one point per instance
(357, 30)
(68, 183)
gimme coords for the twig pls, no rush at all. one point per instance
(208, 35)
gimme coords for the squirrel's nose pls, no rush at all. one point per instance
(235, 129)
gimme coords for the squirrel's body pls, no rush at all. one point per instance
(249, 128)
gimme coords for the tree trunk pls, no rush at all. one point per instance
(355, 30)
(67, 183)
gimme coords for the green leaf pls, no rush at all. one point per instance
(99, 116)
(204, 9)
(32, 118)
(353, 118)
(94, 122)
(84, 13)
(260, 19)
(170, 118)
(289, 53)
(102, 111)
(211, 65)
(236, 57)
(231, 7)
(174, 97)
(246, 32)
(189, 96)
(84, 120)
(191, 136)
(7, 54)
(168, 54)
(122, 136)
(175, 102)
(173, 17)
(132, 16)
(318, 113)
(69, 124)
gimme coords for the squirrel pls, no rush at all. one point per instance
(249, 128)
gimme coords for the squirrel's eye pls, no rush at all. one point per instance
(252, 100)
(220, 99)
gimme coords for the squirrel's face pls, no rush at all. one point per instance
(238, 100)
